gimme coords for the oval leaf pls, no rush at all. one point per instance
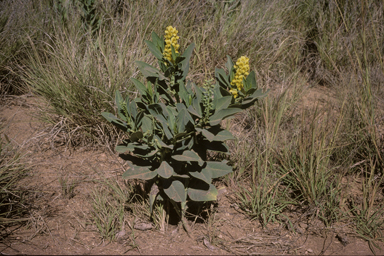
(203, 175)
(176, 191)
(223, 135)
(139, 86)
(222, 114)
(207, 134)
(149, 71)
(222, 102)
(124, 148)
(217, 169)
(201, 195)
(136, 136)
(139, 172)
(165, 170)
(250, 82)
(187, 156)
(155, 51)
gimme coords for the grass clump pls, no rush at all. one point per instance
(295, 150)
(19, 21)
(108, 203)
(12, 205)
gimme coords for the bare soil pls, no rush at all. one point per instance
(63, 224)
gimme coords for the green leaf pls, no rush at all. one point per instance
(198, 92)
(207, 134)
(180, 135)
(149, 71)
(180, 106)
(222, 78)
(155, 51)
(136, 136)
(139, 172)
(165, 170)
(200, 194)
(181, 176)
(188, 52)
(118, 98)
(250, 82)
(204, 175)
(229, 63)
(159, 108)
(140, 146)
(222, 114)
(183, 93)
(158, 111)
(188, 156)
(124, 148)
(248, 102)
(157, 40)
(146, 124)
(109, 116)
(132, 109)
(250, 91)
(197, 107)
(173, 52)
(181, 122)
(134, 146)
(185, 63)
(186, 144)
(141, 105)
(171, 118)
(162, 143)
(224, 92)
(152, 196)
(222, 102)
(188, 87)
(138, 120)
(168, 133)
(259, 94)
(193, 111)
(139, 86)
(120, 104)
(179, 59)
(217, 146)
(115, 121)
(217, 169)
(143, 150)
(176, 191)
(224, 135)
(184, 121)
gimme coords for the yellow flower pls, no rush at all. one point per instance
(234, 92)
(241, 72)
(170, 39)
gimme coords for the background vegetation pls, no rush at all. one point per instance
(296, 151)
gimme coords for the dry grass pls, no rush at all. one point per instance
(294, 144)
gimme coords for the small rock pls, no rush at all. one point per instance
(308, 251)
(143, 226)
(208, 244)
(120, 234)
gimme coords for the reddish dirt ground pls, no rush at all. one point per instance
(60, 225)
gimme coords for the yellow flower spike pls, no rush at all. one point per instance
(241, 72)
(170, 39)
(234, 92)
